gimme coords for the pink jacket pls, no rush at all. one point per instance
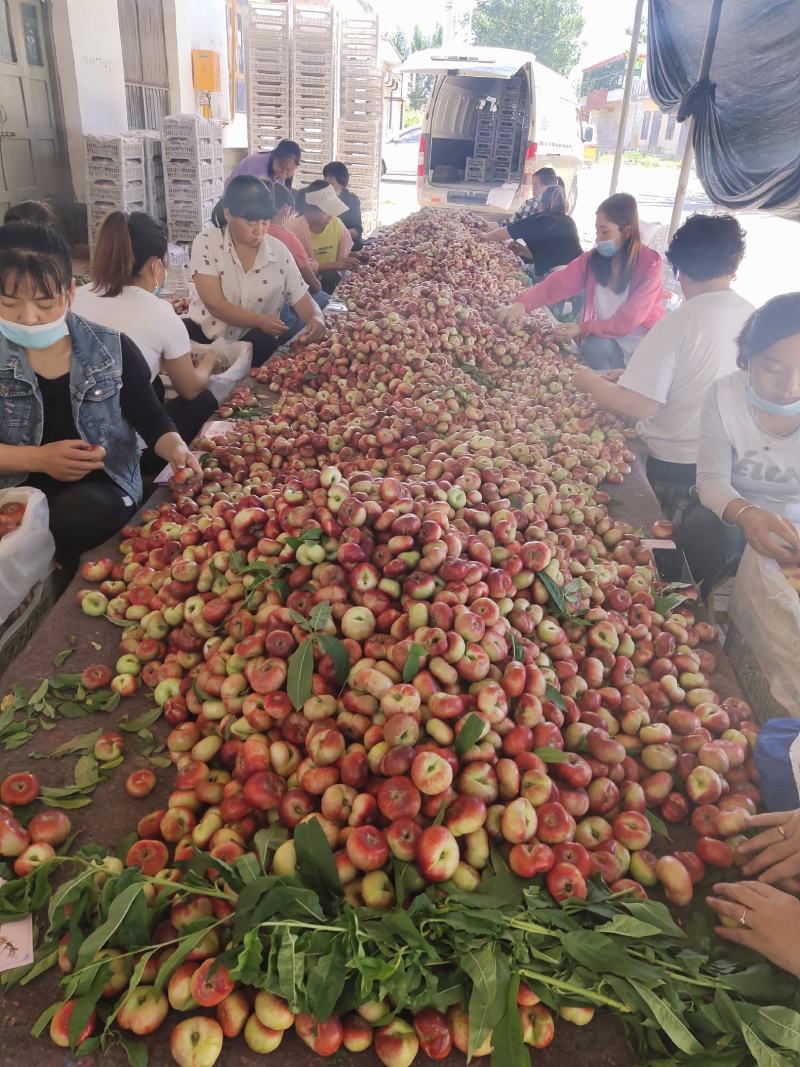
(644, 306)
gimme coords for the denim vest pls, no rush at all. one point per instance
(95, 382)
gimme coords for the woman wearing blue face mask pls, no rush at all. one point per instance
(623, 285)
(73, 396)
(128, 274)
(748, 464)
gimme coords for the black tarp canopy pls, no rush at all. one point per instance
(746, 114)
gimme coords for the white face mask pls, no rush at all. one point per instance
(42, 336)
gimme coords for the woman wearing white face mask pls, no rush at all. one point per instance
(748, 464)
(128, 273)
(73, 396)
(623, 285)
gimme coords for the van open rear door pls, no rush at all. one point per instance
(466, 63)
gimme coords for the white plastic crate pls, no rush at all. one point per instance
(122, 194)
(191, 126)
(184, 232)
(98, 210)
(114, 149)
(180, 170)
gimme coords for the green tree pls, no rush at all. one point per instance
(551, 29)
(421, 84)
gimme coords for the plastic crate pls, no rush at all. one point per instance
(181, 190)
(114, 149)
(103, 190)
(184, 232)
(98, 210)
(180, 170)
(191, 126)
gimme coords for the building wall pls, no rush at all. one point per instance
(88, 57)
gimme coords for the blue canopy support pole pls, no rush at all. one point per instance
(626, 95)
(688, 153)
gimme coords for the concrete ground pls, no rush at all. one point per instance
(770, 266)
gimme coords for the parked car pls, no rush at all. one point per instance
(401, 151)
(495, 116)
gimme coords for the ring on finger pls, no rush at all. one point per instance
(743, 917)
(781, 831)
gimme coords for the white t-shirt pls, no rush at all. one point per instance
(272, 281)
(738, 458)
(606, 304)
(676, 363)
(150, 323)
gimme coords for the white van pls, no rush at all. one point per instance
(494, 117)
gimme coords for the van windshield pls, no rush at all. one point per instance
(479, 130)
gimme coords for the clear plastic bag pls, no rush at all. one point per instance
(26, 554)
(765, 609)
(235, 356)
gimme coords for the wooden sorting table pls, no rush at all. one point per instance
(113, 815)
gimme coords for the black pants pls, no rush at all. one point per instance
(188, 416)
(83, 514)
(672, 484)
(264, 344)
(329, 279)
(712, 549)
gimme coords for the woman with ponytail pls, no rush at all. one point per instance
(623, 284)
(128, 273)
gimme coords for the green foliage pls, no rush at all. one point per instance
(421, 84)
(298, 938)
(551, 29)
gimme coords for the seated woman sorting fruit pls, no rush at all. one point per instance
(764, 915)
(128, 272)
(73, 395)
(244, 277)
(549, 234)
(748, 464)
(328, 238)
(664, 384)
(622, 283)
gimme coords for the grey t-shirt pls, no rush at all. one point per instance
(738, 458)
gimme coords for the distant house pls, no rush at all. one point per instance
(648, 129)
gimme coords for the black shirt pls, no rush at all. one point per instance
(552, 240)
(352, 217)
(137, 400)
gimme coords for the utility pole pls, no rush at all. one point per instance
(626, 94)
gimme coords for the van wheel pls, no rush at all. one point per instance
(572, 199)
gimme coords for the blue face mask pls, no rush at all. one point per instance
(42, 336)
(606, 248)
(159, 289)
(788, 411)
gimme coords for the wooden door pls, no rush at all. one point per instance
(29, 151)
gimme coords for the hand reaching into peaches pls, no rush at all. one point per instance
(774, 854)
(512, 315)
(761, 918)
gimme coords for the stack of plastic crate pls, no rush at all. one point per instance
(475, 170)
(313, 85)
(268, 113)
(153, 174)
(505, 130)
(360, 125)
(115, 178)
(193, 175)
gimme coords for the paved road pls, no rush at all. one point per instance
(771, 265)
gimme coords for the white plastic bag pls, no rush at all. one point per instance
(26, 554)
(766, 611)
(237, 357)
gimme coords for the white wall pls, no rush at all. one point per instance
(88, 54)
(190, 24)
